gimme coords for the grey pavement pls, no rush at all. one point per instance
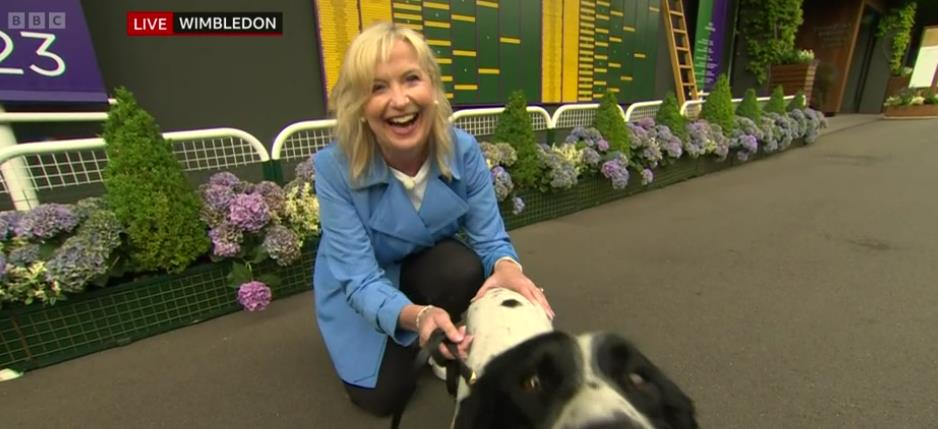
(800, 291)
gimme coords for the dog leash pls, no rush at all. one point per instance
(432, 350)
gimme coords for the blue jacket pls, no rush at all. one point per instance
(367, 230)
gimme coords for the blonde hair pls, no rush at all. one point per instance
(353, 89)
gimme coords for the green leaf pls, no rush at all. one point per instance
(258, 255)
(271, 280)
(47, 249)
(240, 274)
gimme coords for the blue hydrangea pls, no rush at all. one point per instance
(560, 172)
(85, 256)
(502, 183)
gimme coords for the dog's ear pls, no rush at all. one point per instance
(475, 412)
(678, 409)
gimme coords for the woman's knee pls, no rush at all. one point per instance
(381, 401)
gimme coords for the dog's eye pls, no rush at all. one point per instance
(636, 379)
(532, 384)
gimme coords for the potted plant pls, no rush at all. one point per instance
(794, 72)
(912, 103)
(896, 30)
(769, 28)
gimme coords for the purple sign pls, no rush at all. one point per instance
(712, 19)
(46, 53)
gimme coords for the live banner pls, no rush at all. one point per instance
(710, 41)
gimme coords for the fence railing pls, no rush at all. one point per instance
(69, 163)
(26, 168)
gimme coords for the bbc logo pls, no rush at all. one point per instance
(36, 20)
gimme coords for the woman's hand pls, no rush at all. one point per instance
(424, 319)
(508, 275)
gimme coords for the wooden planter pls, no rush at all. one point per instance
(793, 77)
(921, 111)
(896, 84)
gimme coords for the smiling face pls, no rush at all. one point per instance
(399, 108)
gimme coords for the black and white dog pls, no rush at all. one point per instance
(530, 376)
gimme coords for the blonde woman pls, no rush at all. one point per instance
(394, 189)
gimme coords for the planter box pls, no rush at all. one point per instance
(921, 111)
(35, 336)
(793, 77)
(896, 84)
(679, 171)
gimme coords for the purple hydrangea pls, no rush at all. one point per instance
(46, 221)
(254, 296)
(282, 244)
(24, 255)
(8, 222)
(646, 123)
(249, 212)
(226, 240)
(668, 142)
(215, 202)
(647, 176)
(698, 138)
(602, 145)
(502, 183)
(517, 205)
(616, 171)
(226, 179)
(273, 195)
(645, 142)
(306, 170)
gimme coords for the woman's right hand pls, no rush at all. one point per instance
(434, 318)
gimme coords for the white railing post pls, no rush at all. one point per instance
(19, 187)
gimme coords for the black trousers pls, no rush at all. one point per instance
(447, 276)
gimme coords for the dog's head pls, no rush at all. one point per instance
(556, 381)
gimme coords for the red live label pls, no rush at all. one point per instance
(149, 23)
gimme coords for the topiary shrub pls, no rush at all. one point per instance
(797, 102)
(515, 128)
(777, 101)
(611, 125)
(718, 109)
(749, 107)
(148, 192)
(670, 115)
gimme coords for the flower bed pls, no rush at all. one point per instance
(33, 336)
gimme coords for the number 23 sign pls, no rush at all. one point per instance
(46, 53)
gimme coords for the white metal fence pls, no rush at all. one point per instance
(26, 168)
(71, 163)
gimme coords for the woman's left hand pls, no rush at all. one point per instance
(508, 275)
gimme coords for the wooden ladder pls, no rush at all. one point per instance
(682, 62)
